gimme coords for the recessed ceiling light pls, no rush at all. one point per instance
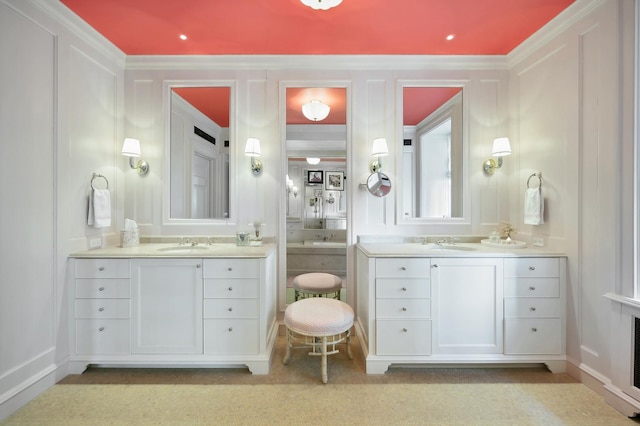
(451, 37)
(183, 37)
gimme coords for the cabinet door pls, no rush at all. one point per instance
(166, 304)
(467, 305)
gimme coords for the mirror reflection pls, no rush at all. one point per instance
(432, 154)
(378, 184)
(199, 152)
(316, 202)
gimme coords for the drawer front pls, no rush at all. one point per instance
(103, 288)
(231, 308)
(532, 267)
(231, 268)
(531, 307)
(419, 288)
(103, 268)
(104, 337)
(231, 336)
(231, 288)
(403, 308)
(103, 308)
(532, 336)
(532, 287)
(403, 267)
(403, 337)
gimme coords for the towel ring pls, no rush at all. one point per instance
(95, 175)
(539, 176)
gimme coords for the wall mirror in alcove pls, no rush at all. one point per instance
(316, 182)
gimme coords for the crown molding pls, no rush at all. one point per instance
(552, 29)
(317, 62)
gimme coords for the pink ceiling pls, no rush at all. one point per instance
(219, 27)
(336, 98)
(211, 101)
(420, 102)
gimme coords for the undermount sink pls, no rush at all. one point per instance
(453, 247)
(325, 243)
(182, 249)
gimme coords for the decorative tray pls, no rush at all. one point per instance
(513, 244)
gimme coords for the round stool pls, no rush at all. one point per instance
(318, 323)
(316, 284)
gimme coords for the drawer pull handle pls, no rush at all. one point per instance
(403, 268)
(230, 309)
(230, 328)
(101, 289)
(100, 309)
(534, 329)
(230, 288)
(404, 330)
(404, 309)
(532, 268)
(101, 268)
(533, 308)
(101, 329)
(532, 288)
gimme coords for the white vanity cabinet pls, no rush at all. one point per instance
(462, 309)
(166, 306)
(101, 306)
(146, 310)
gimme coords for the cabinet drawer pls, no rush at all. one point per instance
(403, 308)
(408, 288)
(102, 268)
(403, 337)
(403, 267)
(231, 336)
(103, 308)
(532, 267)
(531, 307)
(103, 288)
(230, 308)
(104, 337)
(532, 287)
(231, 288)
(231, 268)
(532, 336)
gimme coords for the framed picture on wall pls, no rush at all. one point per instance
(334, 181)
(315, 177)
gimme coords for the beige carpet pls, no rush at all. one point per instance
(293, 394)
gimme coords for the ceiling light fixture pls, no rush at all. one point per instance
(321, 4)
(313, 160)
(450, 37)
(183, 37)
(315, 110)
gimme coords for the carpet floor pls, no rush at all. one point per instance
(294, 394)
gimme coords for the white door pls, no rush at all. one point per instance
(166, 306)
(201, 186)
(467, 305)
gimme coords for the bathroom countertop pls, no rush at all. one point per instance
(473, 250)
(201, 251)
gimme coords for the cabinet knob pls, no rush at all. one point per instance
(101, 329)
(403, 268)
(198, 265)
(101, 289)
(404, 330)
(435, 265)
(532, 268)
(230, 328)
(230, 268)
(534, 329)
(532, 288)
(404, 289)
(533, 308)
(100, 309)
(101, 268)
(230, 288)
(404, 309)
(230, 309)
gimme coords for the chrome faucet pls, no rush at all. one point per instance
(187, 241)
(449, 241)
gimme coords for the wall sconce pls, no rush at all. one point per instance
(501, 147)
(131, 149)
(291, 188)
(380, 149)
(252, 149)
(315, 110)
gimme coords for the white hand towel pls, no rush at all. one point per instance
(533, 207)
(99, 208)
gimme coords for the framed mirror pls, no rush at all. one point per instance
(433, 183)
(198, 152)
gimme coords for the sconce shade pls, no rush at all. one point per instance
(252, 148)
(380, 147)
(313, 160)
(501, 147)
(131, 147)
(315, 110)
(321, 4)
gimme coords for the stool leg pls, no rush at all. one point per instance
(287, 356)
(324, 360)
(349, 353)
